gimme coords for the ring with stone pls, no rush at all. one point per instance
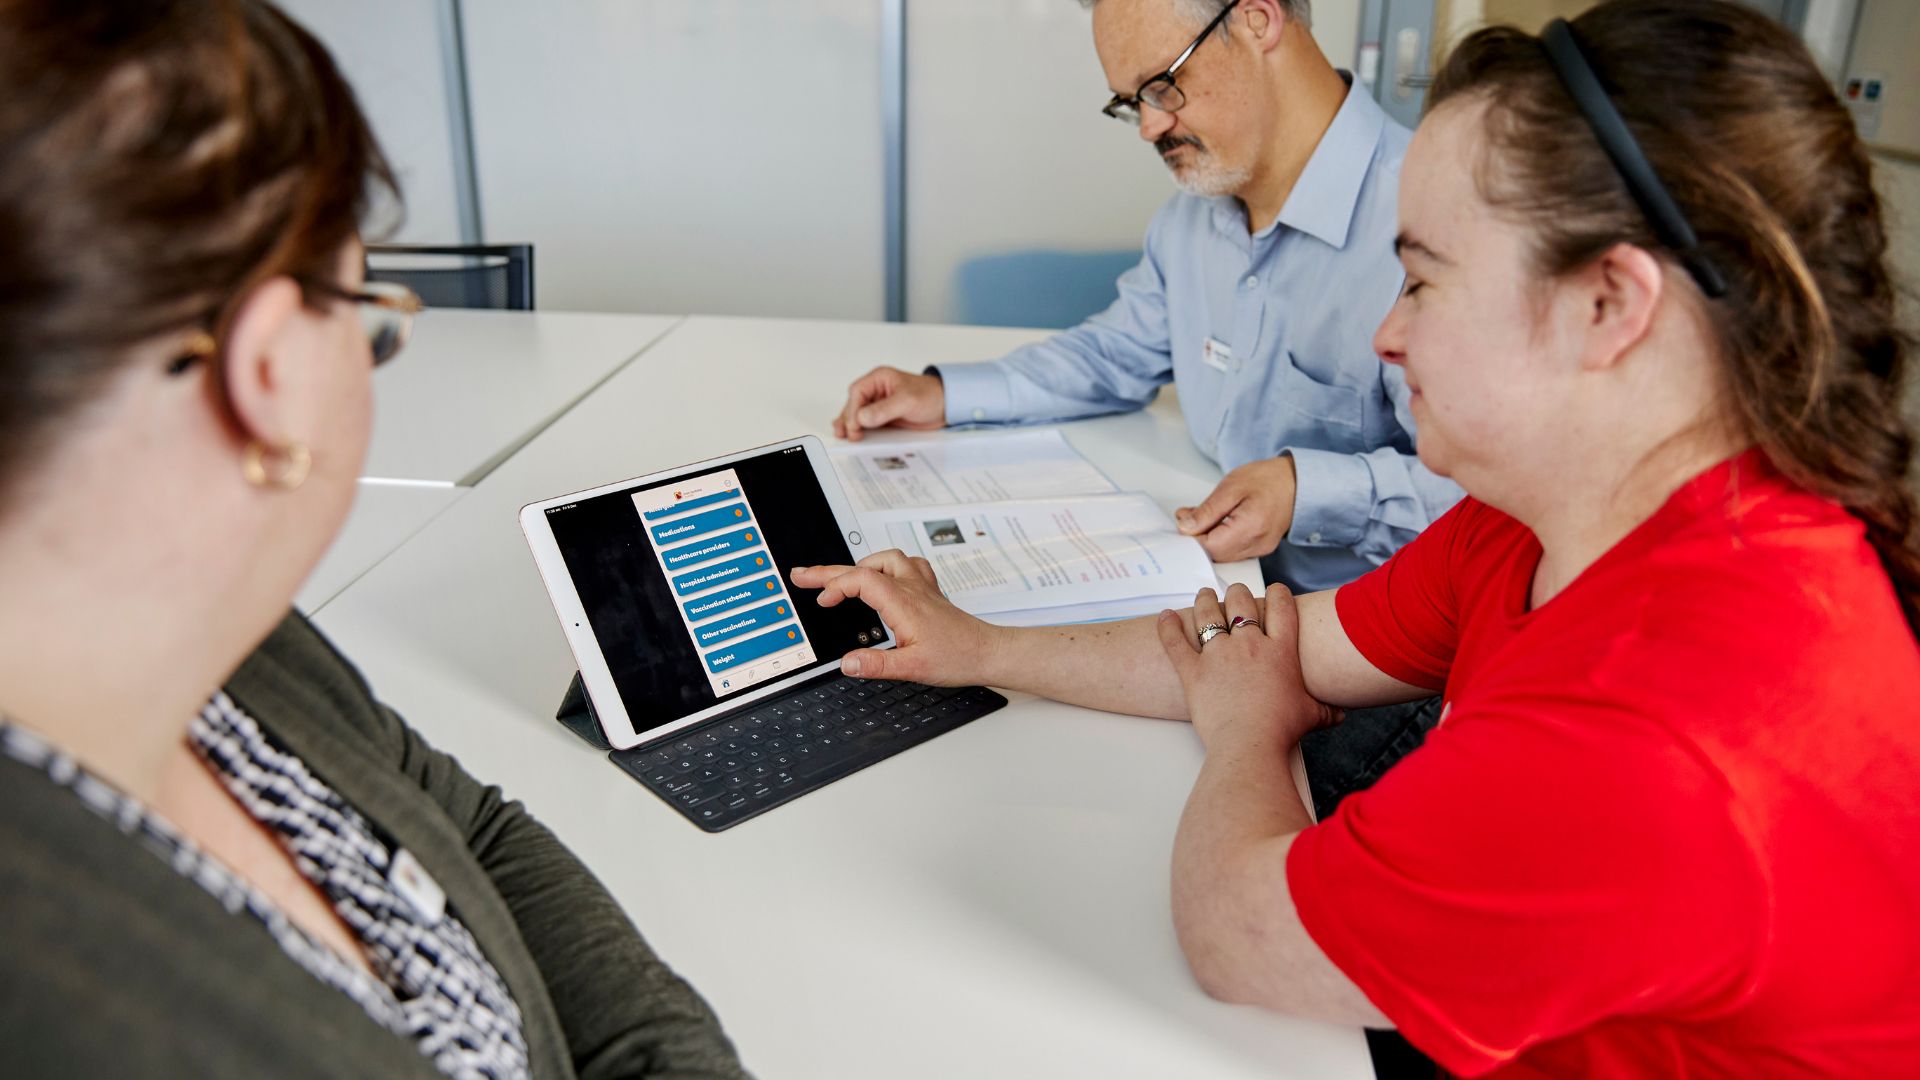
(1210, 631)
(1240, 621)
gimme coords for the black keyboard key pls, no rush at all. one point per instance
(707, 775)
(738, 780)
(778, 745)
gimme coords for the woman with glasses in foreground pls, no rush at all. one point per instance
(223, 857)
(1670, 821)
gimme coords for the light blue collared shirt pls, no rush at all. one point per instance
(1295, 306)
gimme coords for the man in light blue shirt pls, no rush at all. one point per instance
(1258, 294)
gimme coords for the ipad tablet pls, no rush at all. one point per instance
(673, 588)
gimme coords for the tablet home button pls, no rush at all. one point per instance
(854, 538)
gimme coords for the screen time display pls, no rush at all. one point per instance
(685, 581)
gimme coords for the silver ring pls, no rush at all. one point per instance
(1240, 621)
(1210, 631)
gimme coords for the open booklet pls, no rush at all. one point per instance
(1021, 530)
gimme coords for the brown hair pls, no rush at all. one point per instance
(158, 158)
(1764, 162)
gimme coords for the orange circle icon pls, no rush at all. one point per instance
(759, 561)
(781, 610)
(737, 512)
(769, 586)
(789, 634)
(749, 536)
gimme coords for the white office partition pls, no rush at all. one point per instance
(707, 156)
(1006, 148)
(390, 51)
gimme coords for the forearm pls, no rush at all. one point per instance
(1232, 909)
(1116, 666)
(1121, 666)
(1372, 504)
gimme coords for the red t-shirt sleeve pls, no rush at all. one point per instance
(1405, 616)
(1536, 867)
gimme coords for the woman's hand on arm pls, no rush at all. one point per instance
(1231, 903)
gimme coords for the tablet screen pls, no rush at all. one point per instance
(685, 581)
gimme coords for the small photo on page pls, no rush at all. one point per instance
(944, 532)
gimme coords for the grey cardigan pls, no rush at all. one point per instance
(111, 964)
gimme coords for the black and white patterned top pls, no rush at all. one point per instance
(434, 986)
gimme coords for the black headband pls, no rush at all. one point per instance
(1669, 224)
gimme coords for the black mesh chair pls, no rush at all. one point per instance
(497, 276)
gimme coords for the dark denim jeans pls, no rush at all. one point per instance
(1349, 757)
(1352, 754)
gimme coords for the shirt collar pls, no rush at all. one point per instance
(1323, 199)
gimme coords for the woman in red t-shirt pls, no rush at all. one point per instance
(1670, 821)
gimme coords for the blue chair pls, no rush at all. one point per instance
(1051, 289)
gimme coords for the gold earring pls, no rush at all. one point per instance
(294, 463)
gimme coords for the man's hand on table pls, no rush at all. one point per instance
(934, 642)
(1248, 514)
(889, 397)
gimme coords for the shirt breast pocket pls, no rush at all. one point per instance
(1331, 417)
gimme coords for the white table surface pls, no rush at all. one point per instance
(384, 515)
(471, 387)
(992, 903)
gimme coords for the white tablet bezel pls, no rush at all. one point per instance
(594, 673)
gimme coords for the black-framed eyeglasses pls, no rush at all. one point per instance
(386, 312)
(1161, 91)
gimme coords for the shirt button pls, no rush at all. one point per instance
(1313, 538)
(1250, 283)
(979, 414)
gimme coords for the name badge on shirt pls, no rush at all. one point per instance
(1216, 355)
(417, 887)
